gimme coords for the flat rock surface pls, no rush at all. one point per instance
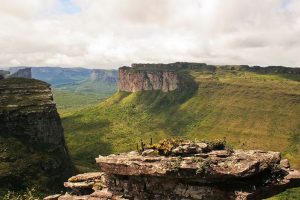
(218, 164)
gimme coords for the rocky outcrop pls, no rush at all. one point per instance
(163, 77)
(143, 80)
(107, 76)
(188, 170)
(22, 73)
(170, 77)
(27, 110)
(32, 137)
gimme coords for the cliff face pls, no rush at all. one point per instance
(22, 73)
(134, 81)
(107, 76)
(32, 138)
(180, 169)
(169, 77)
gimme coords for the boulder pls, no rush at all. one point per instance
(193, 171)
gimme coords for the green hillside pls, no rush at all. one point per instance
(82, 93)
(250, 110)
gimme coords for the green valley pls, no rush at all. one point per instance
(250, 110)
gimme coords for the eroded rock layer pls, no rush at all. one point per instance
(185, 170)
(32, 145)
(172, 76)
(143, 80)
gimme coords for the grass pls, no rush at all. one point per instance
(81, 94)
(23, 165)
(68, 100)
(290, 194)
(250, 110)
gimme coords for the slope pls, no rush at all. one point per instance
(250, 110)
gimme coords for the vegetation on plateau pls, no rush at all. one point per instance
(251, 110)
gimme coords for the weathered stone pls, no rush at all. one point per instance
(87, 177)
(53, 197)
(28, 116)
(149, 152)
(211, 174)
(285, 163)
(238, 164)
(134, 81)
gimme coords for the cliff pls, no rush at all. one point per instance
(173, 76)
(22, 73)
(32, 149)
(107, 76)
(162, 77)
(180, 169)
(134, 81)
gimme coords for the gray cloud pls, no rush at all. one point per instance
(110, 33)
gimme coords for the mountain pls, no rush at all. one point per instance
(252, 109)
(107, 76)
(58, 75)
(3, 74)
(76, 87)
(33, 152)
(22, 73)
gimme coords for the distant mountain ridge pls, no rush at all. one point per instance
(57, 76)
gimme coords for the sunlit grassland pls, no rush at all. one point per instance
(250, 110)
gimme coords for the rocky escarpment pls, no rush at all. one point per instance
(173, 76)
(32, 140)
(107, 76)
(179, 169)
(22, 73)
(163, 77)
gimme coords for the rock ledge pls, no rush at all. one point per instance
(179, 169)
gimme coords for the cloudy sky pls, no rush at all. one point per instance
(111, 33)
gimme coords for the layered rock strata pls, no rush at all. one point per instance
(190, 171)
(27, 110)
(170, 77)
(31, 135)
(144, 80)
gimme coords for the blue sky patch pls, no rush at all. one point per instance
(69, 7)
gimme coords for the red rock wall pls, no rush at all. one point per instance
(141, 80)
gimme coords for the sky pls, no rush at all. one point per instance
(112, 33)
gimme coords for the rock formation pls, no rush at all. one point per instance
(163, 77)
(32, 138)
(179, 169)
(3, 74)
(107, 76)
(22, 73)
(134, 81)
(170, 77)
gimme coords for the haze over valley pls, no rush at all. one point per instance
(149, 100)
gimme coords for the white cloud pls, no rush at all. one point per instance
(111, 33)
